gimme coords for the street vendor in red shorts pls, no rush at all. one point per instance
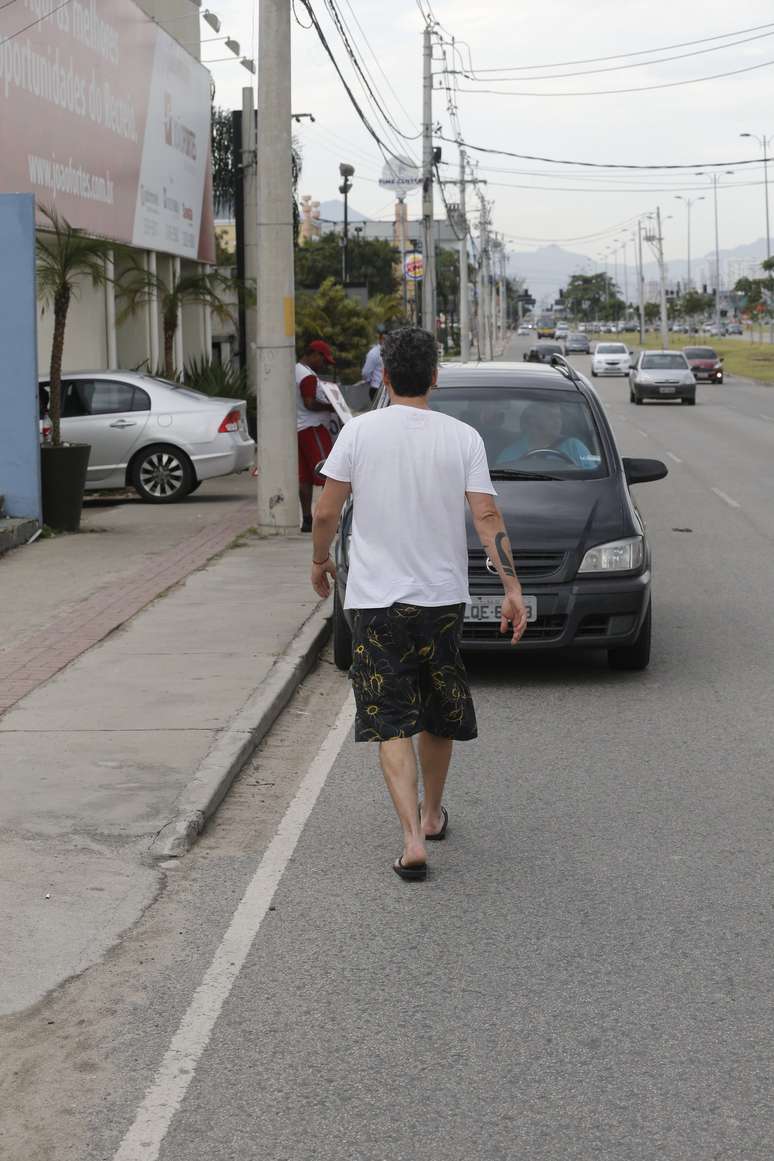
(312, 414)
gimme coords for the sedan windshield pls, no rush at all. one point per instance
(700, 353)
(612, 349)
(664, 363)
(529, 431)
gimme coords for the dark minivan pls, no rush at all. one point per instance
(578, 538)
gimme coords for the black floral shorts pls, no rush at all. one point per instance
(408, 674)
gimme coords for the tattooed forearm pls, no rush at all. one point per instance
(504, 552)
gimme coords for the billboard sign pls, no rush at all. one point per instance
(414, 267)
(106, 118)
(400, 174)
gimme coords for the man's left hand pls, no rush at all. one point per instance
(320, 574)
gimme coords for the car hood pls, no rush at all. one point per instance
(564, 515)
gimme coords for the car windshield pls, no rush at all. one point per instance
(529, 431)
(553, 347)
(699, 353)
(664, 362)
(578, 338)
(612, 349)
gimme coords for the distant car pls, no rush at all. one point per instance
(735, 329)
(663, 375)
(542, 352)
(546, 330)
(705, 363)
(160, 438)
(610, 359)
(707, 328)
(561, 332)
(577, 343)
(523, 329)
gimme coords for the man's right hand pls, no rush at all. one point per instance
(514, 614)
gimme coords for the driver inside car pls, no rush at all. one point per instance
(541, 430)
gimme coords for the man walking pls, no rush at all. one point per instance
(410, 471)
(373, 367)
(312, 412)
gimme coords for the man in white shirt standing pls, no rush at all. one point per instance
(410, 471)
(373, 367)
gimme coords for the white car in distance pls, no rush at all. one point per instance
(611, 359)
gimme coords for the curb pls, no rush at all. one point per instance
(238, 741)
(14, 533)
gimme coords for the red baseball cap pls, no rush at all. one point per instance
(322, 348)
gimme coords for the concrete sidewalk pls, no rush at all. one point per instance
(134, 738)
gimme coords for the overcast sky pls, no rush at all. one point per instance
(535, 202)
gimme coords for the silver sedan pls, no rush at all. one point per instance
(159, 438)
(663, 375)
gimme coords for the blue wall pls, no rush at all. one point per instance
(19, 430)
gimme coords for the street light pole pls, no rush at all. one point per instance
(764, 142)
(641, 282)
(346, 171)
(689, 202)
(715, 179)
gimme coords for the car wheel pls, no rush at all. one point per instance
(637, 399)
(636, 656)
(689, 401)
(342, 636)
(196, 484)
(161, 474)
(593, 373)
(720, 380)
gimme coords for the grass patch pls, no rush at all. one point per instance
(740, 356)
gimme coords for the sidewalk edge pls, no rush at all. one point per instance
(237, 742)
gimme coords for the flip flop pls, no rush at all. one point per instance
(439, 835)
(414, 873)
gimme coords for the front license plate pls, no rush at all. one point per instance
(667, 390)
(488, 609)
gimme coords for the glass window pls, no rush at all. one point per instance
(612, 349)
(76, 398)
(109, 396)
(700, 353)
(664, 362)
(528, 429)
(82, 397)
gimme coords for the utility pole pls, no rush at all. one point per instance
(641, 283)
(278, 508)
(503, 292)
(464, 300)
(765, 143)
(428, 233)
(689, 203)
(249, 180)
(662, 277)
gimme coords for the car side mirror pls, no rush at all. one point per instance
(644, 471)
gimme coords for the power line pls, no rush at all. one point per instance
(32, 23)
(625, 55)
(383, 146)
(615, 92)
(379, 65)
(596, 164)
(640, 64)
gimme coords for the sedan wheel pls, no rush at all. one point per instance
(162, 474)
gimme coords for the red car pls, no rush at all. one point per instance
(705, 363)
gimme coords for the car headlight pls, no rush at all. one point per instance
(615, 556)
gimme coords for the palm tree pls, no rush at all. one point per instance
(139, 286)
(65, 255)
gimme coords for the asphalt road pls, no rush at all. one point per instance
(588, 973)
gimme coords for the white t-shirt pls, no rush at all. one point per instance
(409, 469)
(305, 418)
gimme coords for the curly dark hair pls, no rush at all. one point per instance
(410, 357)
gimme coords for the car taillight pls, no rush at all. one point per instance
(231, 422)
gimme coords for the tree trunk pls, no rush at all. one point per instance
(169, 346)
(61, 306)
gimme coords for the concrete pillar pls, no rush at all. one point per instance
(179, 331)
(207, 330)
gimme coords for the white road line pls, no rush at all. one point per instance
(727, 499)
(162, 1099)
(672, 456)
(644, 434)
